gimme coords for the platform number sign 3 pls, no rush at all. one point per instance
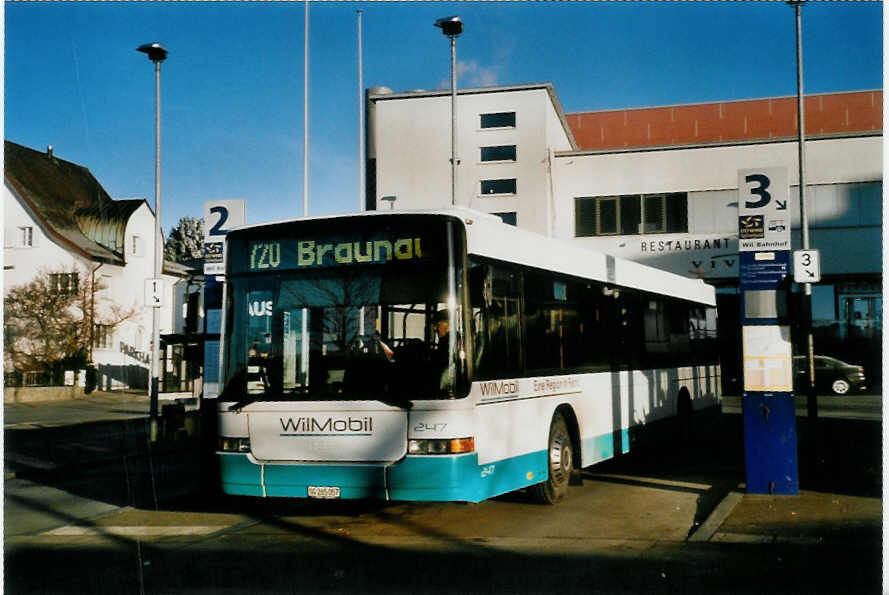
(807, 266)
(761, 183)
(763, 214)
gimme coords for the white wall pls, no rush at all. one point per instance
(412, 138)
(716, 168)
(131, 343)
(21, 264)
(843, 191)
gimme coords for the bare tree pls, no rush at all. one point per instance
(51, 318)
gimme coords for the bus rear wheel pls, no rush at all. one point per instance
(560, 463)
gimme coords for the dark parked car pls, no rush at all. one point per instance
(831, 375)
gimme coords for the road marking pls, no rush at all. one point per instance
(134, 531)
(651, 480)
(742, 538)
(708, 529)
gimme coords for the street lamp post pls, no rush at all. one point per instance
(811, 393)
(452, 27)
(157, 54)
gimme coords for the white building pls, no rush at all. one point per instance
(506, 139)
(58, 219)
(656, 185)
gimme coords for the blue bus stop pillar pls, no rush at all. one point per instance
(770, 443)
(764, 267)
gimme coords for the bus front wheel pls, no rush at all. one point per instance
(560, 463)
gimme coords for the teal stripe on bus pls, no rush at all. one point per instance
(461, 478)
(602, 446)
(240, 477)
(421, 478)
(354, 481)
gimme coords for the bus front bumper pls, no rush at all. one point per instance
(416, 478)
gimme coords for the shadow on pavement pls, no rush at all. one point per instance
(109, 461)
(126, 469)
(114, 462)
(301, 561)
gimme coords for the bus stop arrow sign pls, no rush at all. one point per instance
(154, 293)
(806, 266)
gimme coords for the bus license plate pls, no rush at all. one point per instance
(325, 492)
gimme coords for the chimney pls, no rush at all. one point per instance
(49, 151)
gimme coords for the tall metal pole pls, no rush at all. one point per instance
(306, 113)
(453, 119)
(361, 160)
(361, 164)
(452, 27)
(157, 54)
(158, 256)
(304, 352)
(811, 394)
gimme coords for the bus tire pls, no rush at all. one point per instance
(559, 461)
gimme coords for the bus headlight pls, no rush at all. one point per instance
(441, 446)
(234, 444)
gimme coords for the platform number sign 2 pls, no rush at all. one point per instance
(220, 216)
(218, 228)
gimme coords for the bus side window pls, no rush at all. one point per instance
(499, 328)
(595, 348)
(479, 300)
(627, 328)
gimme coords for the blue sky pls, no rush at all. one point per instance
(232, 87)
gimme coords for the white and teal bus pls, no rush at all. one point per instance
(445, 356)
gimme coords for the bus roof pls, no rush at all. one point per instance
(488, 236)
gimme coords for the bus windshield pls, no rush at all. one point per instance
(345, 315)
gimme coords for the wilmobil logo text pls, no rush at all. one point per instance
(494, 389)
(328, 426)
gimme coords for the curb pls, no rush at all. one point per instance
(709, 527)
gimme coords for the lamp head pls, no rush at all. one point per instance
(155, 51)
(450, 26)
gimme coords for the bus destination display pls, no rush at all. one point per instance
(290, 254)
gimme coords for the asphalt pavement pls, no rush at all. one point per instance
(839, 504)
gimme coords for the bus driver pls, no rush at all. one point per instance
(441, 353)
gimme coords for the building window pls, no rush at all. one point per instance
(499, 153)
(498, 120)
(137, 246)
(508, 218)
(27, 236)
(102, 336)
(507, 186)
(631, 214)
(665, 213)
(64, 283)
